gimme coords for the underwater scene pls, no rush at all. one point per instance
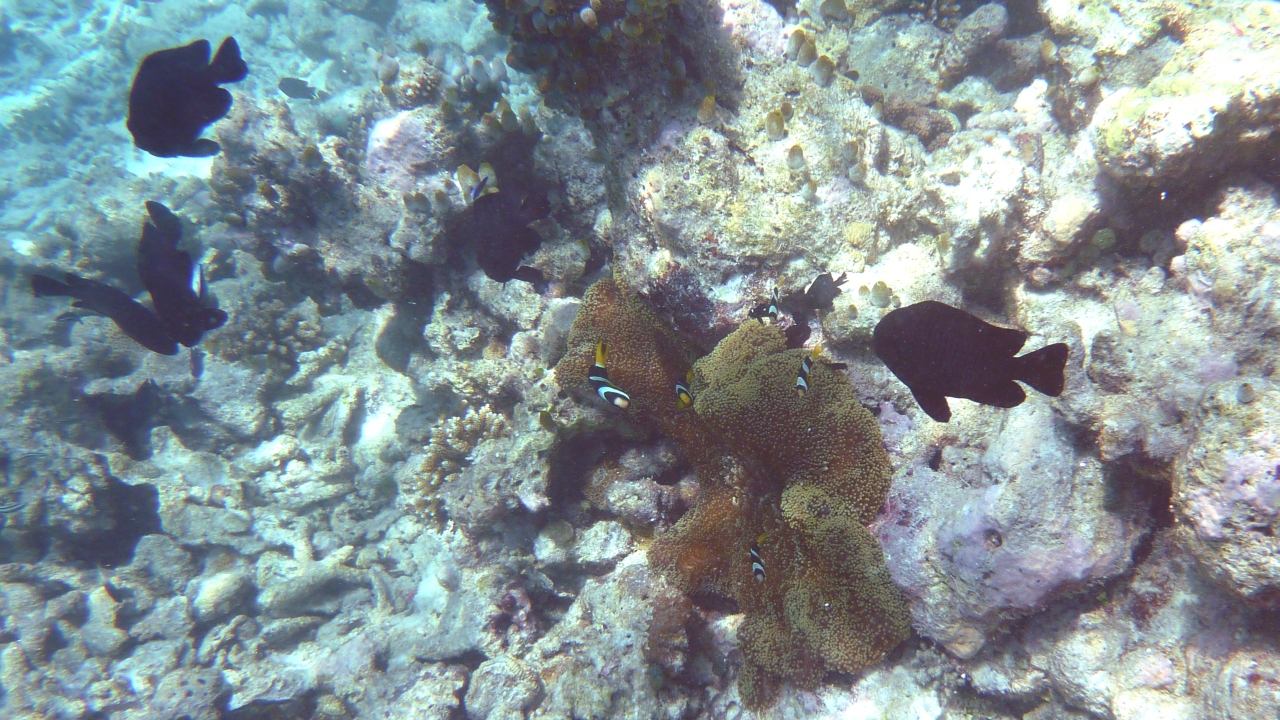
(639, 359)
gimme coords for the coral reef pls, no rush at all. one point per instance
(988, 537)
(1227, 487)
(804, 473)
(1203, 111)
(971, 36)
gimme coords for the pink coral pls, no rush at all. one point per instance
(1250, 480)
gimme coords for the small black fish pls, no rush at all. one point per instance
(503, 236)
(132, 317)
(823, 291)
(296, 89)
(176, 286)
(939, 351)
(175, 96)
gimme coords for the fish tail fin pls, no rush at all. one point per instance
(227, 66)
(44, 286)
(1044, 369)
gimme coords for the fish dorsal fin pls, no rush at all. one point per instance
(192, 56)
(208, 107)
(1006, 341)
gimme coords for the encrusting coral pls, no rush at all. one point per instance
(797, 476)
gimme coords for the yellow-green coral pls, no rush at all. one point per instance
(448, 449)
(807, 473)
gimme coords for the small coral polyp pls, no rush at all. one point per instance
(794, 478)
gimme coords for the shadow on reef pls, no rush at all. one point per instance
(787, 483)
(475, 236)
(125, 513)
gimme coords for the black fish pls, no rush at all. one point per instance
(939, 351)
(175, 96)
(823, 291)
(177, 290)
(297, 89)
(132, 317)
(503, 235)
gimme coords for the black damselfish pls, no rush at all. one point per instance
(177, 287)
(175, 96)
(939, 351)
(503, 236)
(132, 317)
(296, 89)
(823, 291)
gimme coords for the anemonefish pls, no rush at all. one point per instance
(599, 378)
(762, 311)
(802, 380)
(684, 399)
(757, 565)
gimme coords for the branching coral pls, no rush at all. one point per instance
(449, 449)
(799, 476)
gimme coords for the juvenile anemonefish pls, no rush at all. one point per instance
(802, 380)
(599, 378)
(684, 399)
(770, 310)
(757, 565)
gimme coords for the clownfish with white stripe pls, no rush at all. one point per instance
(684, 398)
(769, 310)
(802, 380)
(757, 564)
(599, 377)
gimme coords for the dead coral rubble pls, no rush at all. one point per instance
(800, 476)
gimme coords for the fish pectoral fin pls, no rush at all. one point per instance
(204, 147)
(87, 306)
(530, 275)
(1006, 394)
(212, 105)
(934, 404)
